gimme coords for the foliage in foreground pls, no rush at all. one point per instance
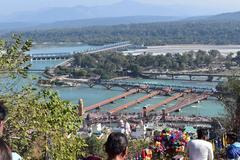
(40, 125)
(230, 95)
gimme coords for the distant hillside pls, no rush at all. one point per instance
(7, 27)
(21, 26)
(224, 17)
(126, 8)
(124, 12)
(106, 21)
(218, 29)
(234, 16)
(148, 33)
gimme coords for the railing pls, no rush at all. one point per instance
(110, 100)
(185, 102)
(190, 74)
(132, 103)
(158, 86)
(86, 51)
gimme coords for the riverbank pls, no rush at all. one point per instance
(153, 118)
(211, 107)
(162, 50)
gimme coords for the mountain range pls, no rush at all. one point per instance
(119, 13)
(127, 8)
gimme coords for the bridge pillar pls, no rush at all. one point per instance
(108, 86)
(144, 114)
(91, 85)
(164, 115)
(190, 77)
(147, 90)
(126, 88)
(210, 78)
(80, 108)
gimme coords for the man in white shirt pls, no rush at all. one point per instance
(200, 149)
(127, 128)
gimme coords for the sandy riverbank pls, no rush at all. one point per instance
(156, 50)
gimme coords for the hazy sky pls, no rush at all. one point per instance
(12, 6)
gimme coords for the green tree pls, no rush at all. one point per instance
(40, 125)
(13, 63)
(230, 95)
(214, 53)
(135, 69)
(95, 146)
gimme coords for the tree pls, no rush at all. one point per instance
(237, 58)
(13, 63)
(40, 125)
(95, 146)
(214, 53)
(230, 95)
(135, 69)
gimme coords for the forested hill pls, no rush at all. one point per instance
(234, 16)
(224, 17)
(149, 34)
(218, 29)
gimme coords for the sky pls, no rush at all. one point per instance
(12, 6)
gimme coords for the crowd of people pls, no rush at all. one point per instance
(116, 146)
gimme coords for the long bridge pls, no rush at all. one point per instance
(68, 55)
(146, 86)
(173, 75)
(151, 86)
(164, 102)
(188, 99)
(186, 102)
(137, 101)
(111, 100)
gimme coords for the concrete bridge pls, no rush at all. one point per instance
(174, 75)
(51, 56)
(149, 86)
(186, 102)
(68, 55)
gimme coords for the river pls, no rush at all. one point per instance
(211, 107)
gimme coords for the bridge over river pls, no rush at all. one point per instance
(68, 55)
(149, 86)
(188, 98)
(175, 75)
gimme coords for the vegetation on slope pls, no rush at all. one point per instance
(40, 125)
(231, 97)
(182, 32)
(111, 64)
